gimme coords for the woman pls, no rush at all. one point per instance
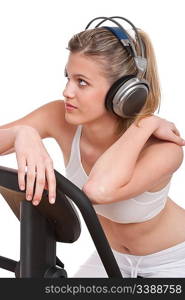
(124, 165)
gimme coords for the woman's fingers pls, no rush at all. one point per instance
(44, 177)
(40, 183)
(30, 180)
(46, 185)
(51, 181)
(21, 163)
(176, 131)
(176, 138)
(40, 173)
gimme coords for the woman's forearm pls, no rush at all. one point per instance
(115, 166)
(7, 138)
(9, 151)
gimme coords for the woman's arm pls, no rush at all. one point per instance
(10, 151)
(114, 169)
(7, 139)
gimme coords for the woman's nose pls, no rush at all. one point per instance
(69, 91)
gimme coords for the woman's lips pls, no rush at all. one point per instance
(70, 107)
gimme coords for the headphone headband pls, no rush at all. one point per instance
(123, 38)
(127, 42)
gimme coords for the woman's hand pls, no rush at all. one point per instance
(167, 131)
(31, 154)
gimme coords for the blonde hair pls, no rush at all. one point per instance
(104, 47)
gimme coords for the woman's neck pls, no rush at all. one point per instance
(101, 134)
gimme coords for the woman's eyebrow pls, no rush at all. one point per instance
(76, 75)
(81, 75)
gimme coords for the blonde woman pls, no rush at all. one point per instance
(123, 164)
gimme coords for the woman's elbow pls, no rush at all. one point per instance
(98, 194)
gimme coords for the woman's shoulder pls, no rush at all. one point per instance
(160, 159)
(171, 152)
(48, 120)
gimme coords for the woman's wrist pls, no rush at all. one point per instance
(25, 128)
(9, 135)
(151, 121)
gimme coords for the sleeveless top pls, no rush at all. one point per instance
(138, 209)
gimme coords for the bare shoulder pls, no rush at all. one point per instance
(48, 120)
(169, 149)
(166, 157)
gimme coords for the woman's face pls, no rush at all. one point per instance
(86, 89)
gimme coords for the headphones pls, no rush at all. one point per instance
(127, 96)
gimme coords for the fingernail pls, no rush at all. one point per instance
(35, 202)
(22, 187)
(52, 200)
(29, 197)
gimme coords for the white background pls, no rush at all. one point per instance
(33, 38)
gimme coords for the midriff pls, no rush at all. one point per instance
(163, 231)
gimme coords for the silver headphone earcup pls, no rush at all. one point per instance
(130, 97)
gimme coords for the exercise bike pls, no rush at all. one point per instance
(45, 225)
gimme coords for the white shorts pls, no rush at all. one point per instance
(166, 263)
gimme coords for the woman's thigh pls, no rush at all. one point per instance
(93, 268)
(170, 270)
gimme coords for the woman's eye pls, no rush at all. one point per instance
(65, 73)
(66, 76)
(82, 82)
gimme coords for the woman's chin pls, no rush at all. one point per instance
(69, 119)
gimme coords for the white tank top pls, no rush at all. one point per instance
(138, 209)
